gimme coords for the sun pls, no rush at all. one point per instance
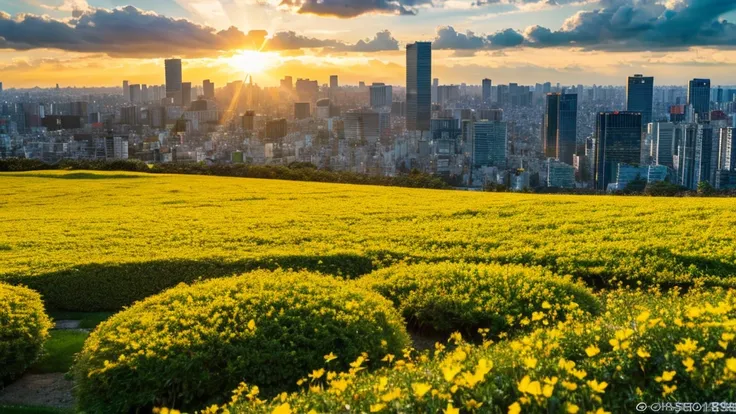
(252, 61)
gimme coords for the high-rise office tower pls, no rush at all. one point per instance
(663, 143)
(490, 144)
(435, 90)
(208, 89)
(302, 110)
(617, 141)
(487, 91)
(381, 95)
(698, 95)
(173, 80)
(126, 91)
(186, 94)
(727, 149)
(559, 130)
(418, 86)
(706, 153)
(686, 136)
(640, 97)
(135, 93)
(334, 82)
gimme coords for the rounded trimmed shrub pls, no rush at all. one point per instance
(447, 297)
(664, 349)
(24, 328)
(191, 345)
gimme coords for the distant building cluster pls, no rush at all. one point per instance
(606, 138)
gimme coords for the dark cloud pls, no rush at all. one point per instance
(131, 32)
(618, 25)
(642, 25)
(291, 40)
(448, 38)
(354, 8)
(126, 31)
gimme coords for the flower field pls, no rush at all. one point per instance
(303, 293)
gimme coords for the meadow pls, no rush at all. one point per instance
(529, 282)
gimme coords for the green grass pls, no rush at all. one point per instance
(88, 320)
(28, 409)
(59, 352)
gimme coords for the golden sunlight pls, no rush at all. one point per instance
(251, 61)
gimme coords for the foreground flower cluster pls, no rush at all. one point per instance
(647, 347)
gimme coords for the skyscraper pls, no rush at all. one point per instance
(663, 143)
(698, 95)
(126, 91)
(559, 129)
(186, 94)
(487, 91)
(381, 95)
(567, 127)
(489, 144)
(617, 141)
(334, 82)
(208, 88)
(418, 86)
(639, 97)
(173, 80)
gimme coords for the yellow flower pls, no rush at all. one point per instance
(666, 376)
(420, 388)
(688, 363)
(687, 346)
(317, 374)
(668, 390)
(514, 408)
(597, 387)
(731, 364)
(390, 396)
(546, 305)
(643, 353)
(643, 316)
(530, 363)
(451, 410)
(572, 409)
(547, 390)
(330, 357)
(377, 407)
(527, 386)
(592, 351)
(473, 405)
(284, 408)
(537, 316)
(571, 386)
(252, 325)
(449, 372)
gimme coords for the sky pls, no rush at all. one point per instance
(103, 42)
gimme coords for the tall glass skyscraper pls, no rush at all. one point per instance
(617, 141)
(173, 80)
(698, 95)
(418, 86)
(489, 144)
(487, 91)
(639, 97)
(560, 127)
(568, 128)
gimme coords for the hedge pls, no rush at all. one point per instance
(662, 350)
(24, 327)
(447, 297)
(112, 286)
(191, 345)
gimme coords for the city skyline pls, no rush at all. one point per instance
(89, 43)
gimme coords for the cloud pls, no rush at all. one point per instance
(642, 25)
(290, 40)
(126, 31)
(354, 8)
(131, 32)
(618, 25)
(448, 38)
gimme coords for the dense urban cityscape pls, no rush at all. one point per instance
(472, 135)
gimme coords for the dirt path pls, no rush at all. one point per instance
(48, 390)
